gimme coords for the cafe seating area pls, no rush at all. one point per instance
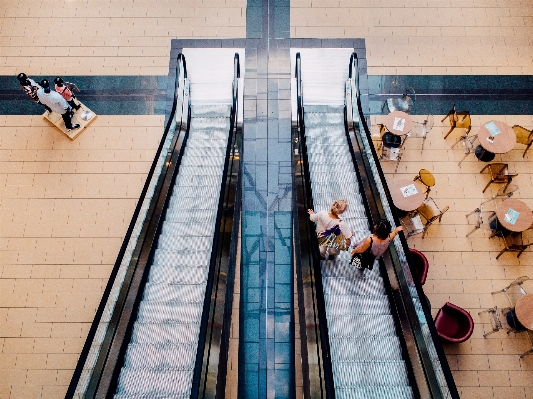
(482, 238)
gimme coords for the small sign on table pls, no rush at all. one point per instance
(399, 124)
(409, 190)
(511, 216)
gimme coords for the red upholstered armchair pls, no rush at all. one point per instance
(421, 265)
(453, 323)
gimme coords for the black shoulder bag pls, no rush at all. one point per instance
(364, 259)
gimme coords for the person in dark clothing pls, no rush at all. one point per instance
(30, 87)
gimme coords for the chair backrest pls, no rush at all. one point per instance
(421, 264)
(428, 123)
(430, 211)
(523, 136)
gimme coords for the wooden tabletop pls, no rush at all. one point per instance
(525, 219)
(503, 141)
(411, 202)
(407, 122)
(524, 311)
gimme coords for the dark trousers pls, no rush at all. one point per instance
(73, 104)
(66, 119)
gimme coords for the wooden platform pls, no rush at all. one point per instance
(57, 121)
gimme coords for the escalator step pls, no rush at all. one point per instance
(187, 242)
(166, 292)
(357, 304)
(218, 123)
(203, 160)
(192, 203)
(375, 392)
(174, 383)
(365, 349)
(198, 192)
(187, 258)
(343, 286)
(322, 119)
(175, 356)
(352, 326)
(210, 152)
(165, 333)
(197, 181)
(217, 143)
(187, 230)
(337, 109)
(210, 110)
(202, 170)
(178, 274)
(169, 312)
(350, 374)
(186, 216)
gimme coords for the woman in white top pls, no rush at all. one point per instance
(326, 220)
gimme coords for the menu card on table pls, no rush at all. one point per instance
(511, 216)
(409, 190)
(493, 129)
(399, 124)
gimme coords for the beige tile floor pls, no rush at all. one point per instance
(427, 37)
(65, 208)
(82, 193)
(464, 270)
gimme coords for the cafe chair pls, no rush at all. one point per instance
(499, 174)
(420, 130)
(426, 178)
(514, 291)
(523, 136)
(501, 316)
(483, 219)
(430, 212)
(421, 265)
(377, 132)
(404, 103)
(530, 337)
(513, 243)
(454, 324)
(413, 224)
(459, 119)
(469, 145)
(390, 150)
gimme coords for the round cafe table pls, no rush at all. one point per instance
(411, 202)
(524, 220)
(524, 311)
(501, 143)
(398, 116)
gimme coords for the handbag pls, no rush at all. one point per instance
(332, 238)
(364, 259)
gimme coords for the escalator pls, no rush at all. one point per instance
(173, 309)
(360, 340)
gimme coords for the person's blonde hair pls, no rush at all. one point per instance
(339, 206)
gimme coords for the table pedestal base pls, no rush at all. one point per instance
(484, 155)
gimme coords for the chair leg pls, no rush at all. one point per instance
(486, 166)
(501, 252)
(474, 229)
(527, 148)
(451, 129)
(529, 352)
(487, 186)
(458, 141)
(474, 211)
(461, 161)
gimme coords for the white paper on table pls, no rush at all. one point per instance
(409, 190)
(398, 124)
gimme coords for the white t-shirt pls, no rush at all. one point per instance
(324, 222)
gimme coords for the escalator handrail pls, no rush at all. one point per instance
(325, 357)
(180, 69)
(423, 354)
